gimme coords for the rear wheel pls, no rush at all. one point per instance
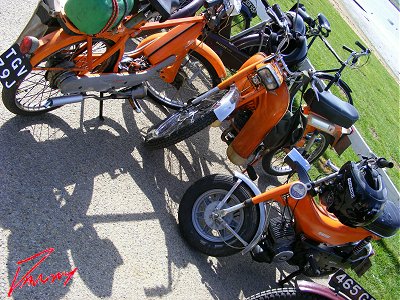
(30, 95)
(195, 76)
(273, 162)
(202, 230)
(339, 88)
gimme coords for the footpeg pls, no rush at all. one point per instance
(135, 105)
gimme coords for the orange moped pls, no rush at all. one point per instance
(319, 226)
(67, 65)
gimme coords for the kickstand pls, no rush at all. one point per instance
(101, 108)
(290, 277)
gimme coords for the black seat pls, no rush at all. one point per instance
(332, 108)
(388, 223)
(164, 7)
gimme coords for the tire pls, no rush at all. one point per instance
(286, 293)
(206, 235)
(29, 96)
(183, 124)
(251, 46)
(273, 164)
(240, 23)
(195, 76)
(340, 89)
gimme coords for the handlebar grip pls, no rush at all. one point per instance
(348, 49)
(383, 163)
(306, 17)
(361, 46)
(277, 10)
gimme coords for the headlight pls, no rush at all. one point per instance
(270, 76)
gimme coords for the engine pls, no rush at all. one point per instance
(277, 246)
(238, 122)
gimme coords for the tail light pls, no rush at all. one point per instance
(29, 44)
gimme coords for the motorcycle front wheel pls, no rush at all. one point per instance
(205, 233)
(183, 124)
(195, 76)
(273, 162)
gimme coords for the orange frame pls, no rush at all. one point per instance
(313, 219)
(192, 26)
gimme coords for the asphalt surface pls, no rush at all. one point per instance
(108, 206)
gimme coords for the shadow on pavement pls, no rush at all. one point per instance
(47, 184)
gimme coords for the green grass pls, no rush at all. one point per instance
(376, 95)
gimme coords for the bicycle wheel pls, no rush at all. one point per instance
(195, 76)
(30, 95)
(251, 45)
(286, 293)
(183, 124)
(205, 233)
(339, 88)
(273, 162)
(239, 23)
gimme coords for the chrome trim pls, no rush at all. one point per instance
(227, 104)
(263, 212)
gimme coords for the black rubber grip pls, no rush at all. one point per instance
(348, 49)
(277, 10)
(360, 45)
(305, 16)
(383, 163)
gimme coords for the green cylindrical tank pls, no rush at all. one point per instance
(92, 16)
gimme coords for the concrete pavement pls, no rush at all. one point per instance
(90, 190)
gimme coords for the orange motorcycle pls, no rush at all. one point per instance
(67, 65)
(255, 99)
(326, 120)
(319, 226)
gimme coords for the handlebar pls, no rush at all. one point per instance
(361, 46)
(301, 166)
(354, 56)
(383, 163)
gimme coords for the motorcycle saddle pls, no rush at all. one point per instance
(331, 107)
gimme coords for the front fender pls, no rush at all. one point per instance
(263, 212)
(212, 57)
(227, 104)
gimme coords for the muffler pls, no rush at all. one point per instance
(62, 100)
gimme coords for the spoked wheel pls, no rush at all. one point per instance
(195, 76)
(273, 162)
(203, 230)
(239, 23)
(30, 95)
(183, 124)
(339, 88)
(287, 293)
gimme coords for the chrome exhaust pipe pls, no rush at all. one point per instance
(62, 100)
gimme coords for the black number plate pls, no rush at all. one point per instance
(342, 282)
(13, 67)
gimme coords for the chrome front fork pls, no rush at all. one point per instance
(219, 213)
